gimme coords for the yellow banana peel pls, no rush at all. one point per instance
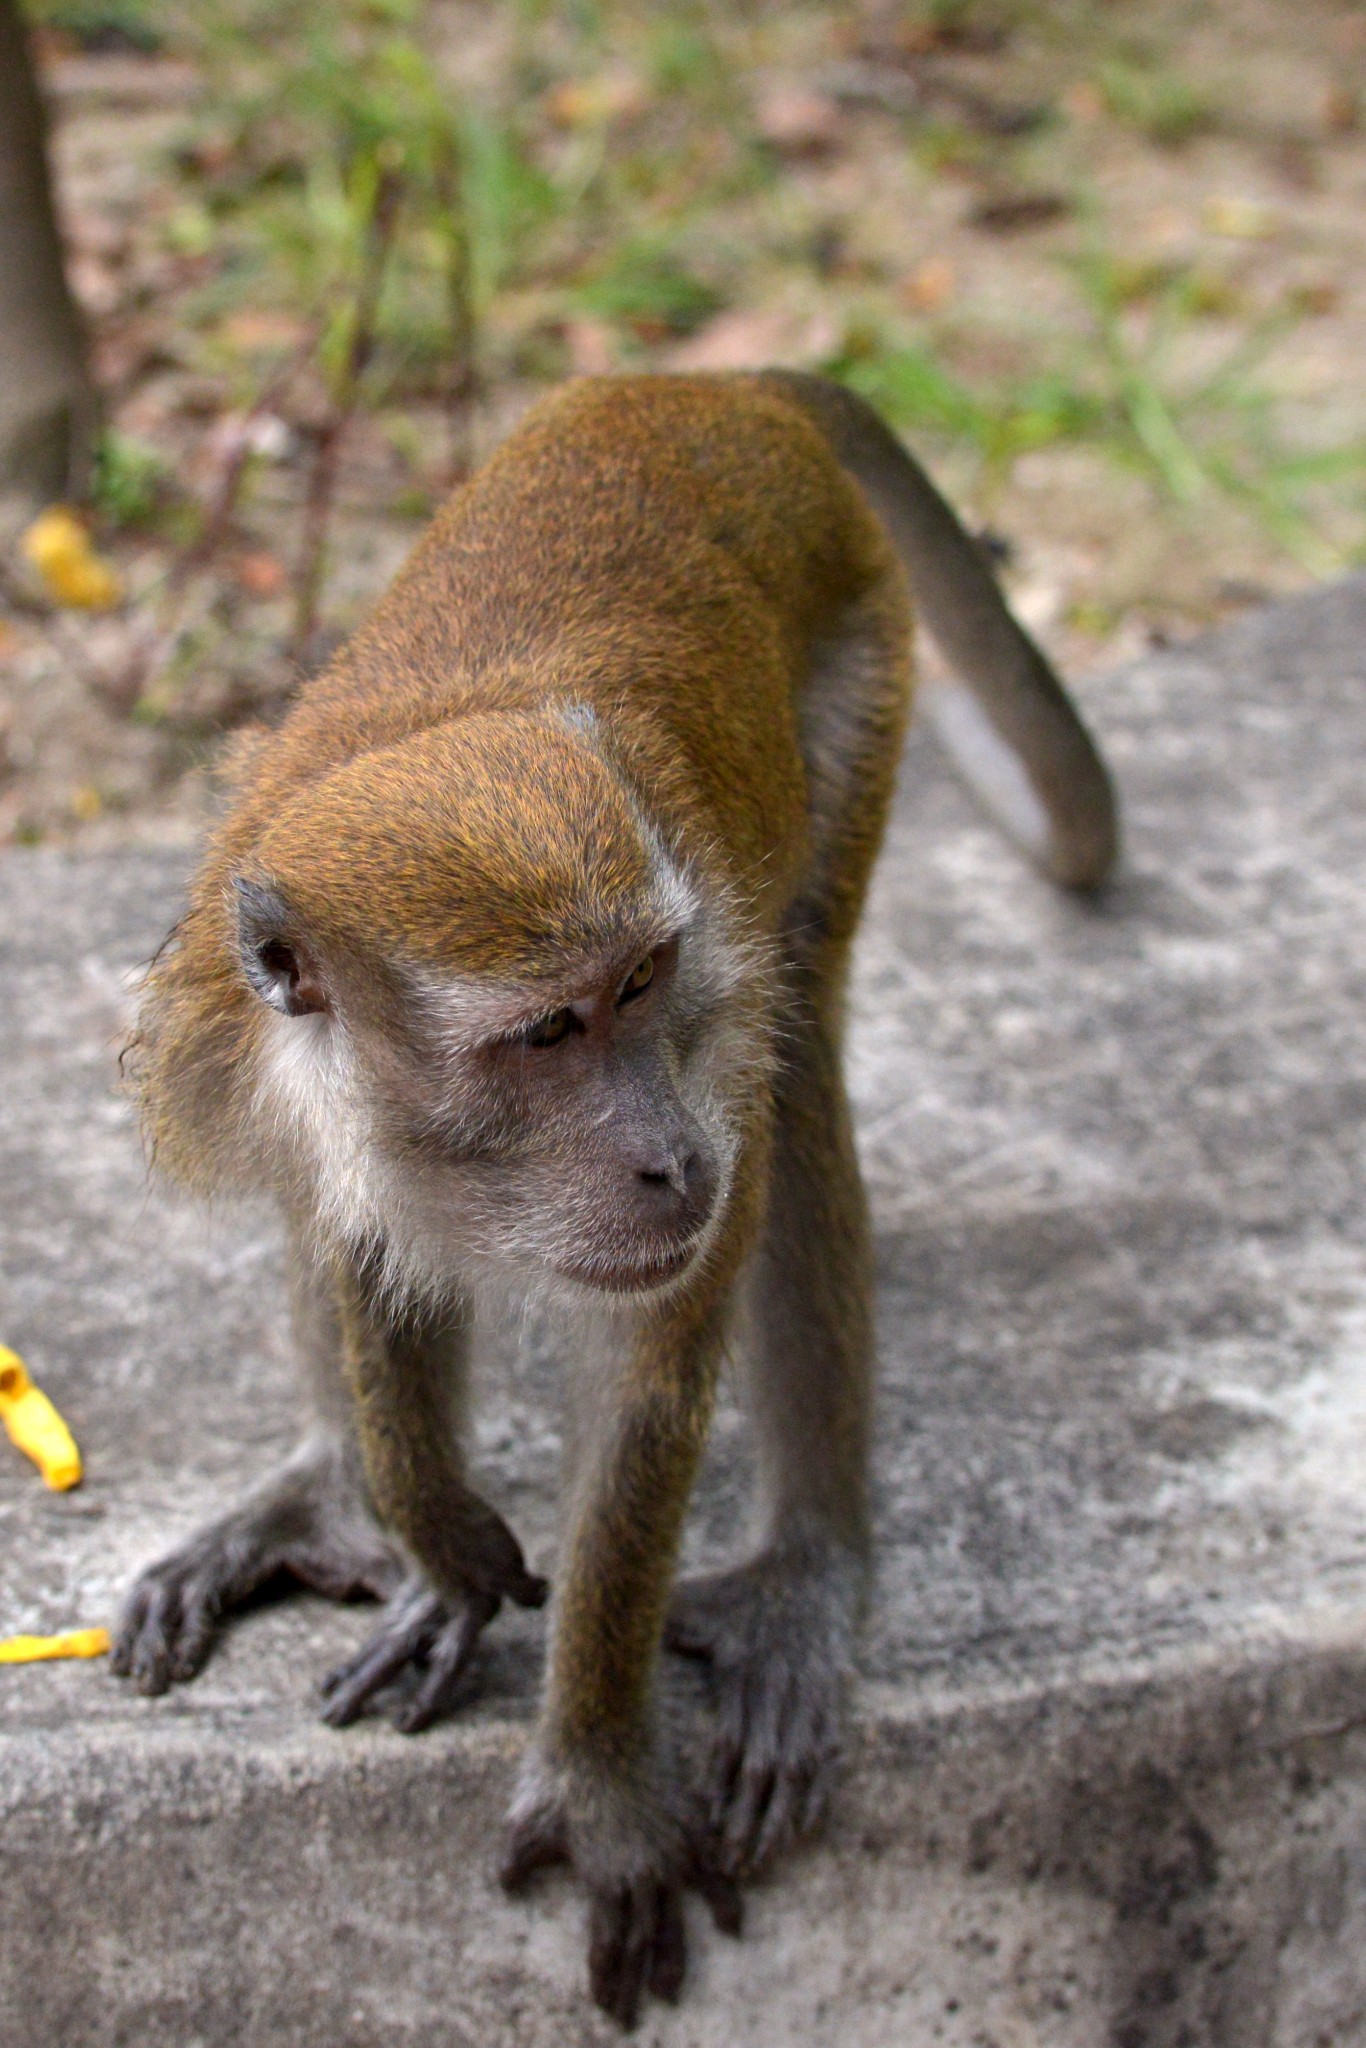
(58, 546)
(35, 1427)
(75, 1642)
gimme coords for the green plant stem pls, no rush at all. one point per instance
(378, 242)
(462, 384)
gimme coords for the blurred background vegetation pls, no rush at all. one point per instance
(1101, 262)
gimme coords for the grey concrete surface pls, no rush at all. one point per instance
(1108, 1782)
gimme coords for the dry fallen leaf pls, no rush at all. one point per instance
(1242, 220)
(1083, 100)
(592, 347)
(751, 338)
(264, 328)
(260, 574)
(929, 286)
(1317, 296)
(595, 102)
(801, 123)
(1011, 213)
(1341, 110)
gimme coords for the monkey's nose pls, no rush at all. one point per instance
(677, 1186)
(673, 1172)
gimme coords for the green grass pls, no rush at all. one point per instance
(1121, 390)
(1159, 103)
(633, 207)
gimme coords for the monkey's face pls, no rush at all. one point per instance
(574, 1130)
(575, 1127)
(506, 1037)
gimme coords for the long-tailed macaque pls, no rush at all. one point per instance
(516, 968)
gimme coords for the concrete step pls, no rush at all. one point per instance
(1108, 1782)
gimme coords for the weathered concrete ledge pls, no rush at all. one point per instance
(1110, 1776)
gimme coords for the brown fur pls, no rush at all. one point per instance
(665, 552)
(639, 692)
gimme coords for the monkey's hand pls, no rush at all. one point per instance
(309, 1521)
(636, 1852)
(421, 1631)
(777, 1634)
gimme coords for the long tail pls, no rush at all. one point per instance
(1012, 732)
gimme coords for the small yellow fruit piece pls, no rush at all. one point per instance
(77, 1642)
(35, 1427)
(59, 548)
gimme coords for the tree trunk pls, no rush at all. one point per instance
(47, 400)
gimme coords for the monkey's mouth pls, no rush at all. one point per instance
(641, 1276)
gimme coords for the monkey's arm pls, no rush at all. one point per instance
(594, 1790)
(310, 1520)
(1013, 733)
(403, 1371)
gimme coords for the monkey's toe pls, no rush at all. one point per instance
(775, 1760)
(776, 1636)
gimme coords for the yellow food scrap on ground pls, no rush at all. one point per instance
(59, 548)
(77, 1642)
(35, 1427)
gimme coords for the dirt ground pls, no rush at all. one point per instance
(1122, 200)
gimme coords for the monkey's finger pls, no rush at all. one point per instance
(447, 1663)
(669, 1957)
(780, 1821)
(150, 1662)
(817, 1798)
(346, 1690)
(724, 1901)
(198, 1625)
(621, 1929)
(745, 1819)
(606, 1935)
(533, 1843)
(126, 1635)
(723, 1773)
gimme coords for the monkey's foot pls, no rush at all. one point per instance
(308, 1521)
(636, 1856)
(777, 1634)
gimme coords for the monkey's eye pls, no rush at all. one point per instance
(638, 980)
(550, 1030)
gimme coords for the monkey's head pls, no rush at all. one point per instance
(500, 1027)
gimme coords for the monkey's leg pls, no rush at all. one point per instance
(594, 1789)
(778, 1632)
(311, 1520)
(406, 1375)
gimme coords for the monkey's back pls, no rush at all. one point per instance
(663, 550)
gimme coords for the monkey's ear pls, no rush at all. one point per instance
(276, 961)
